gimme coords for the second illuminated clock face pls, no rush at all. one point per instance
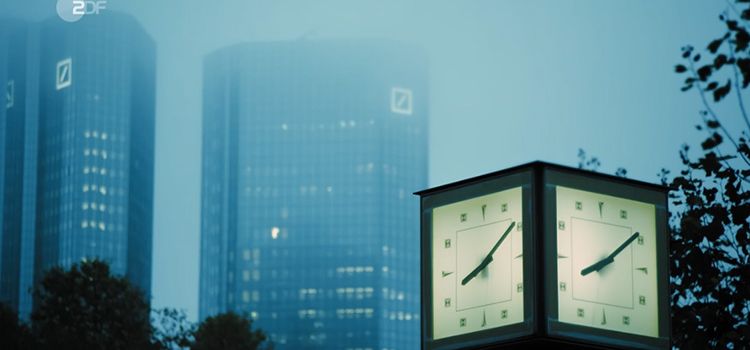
(477, 264)
(606, 262)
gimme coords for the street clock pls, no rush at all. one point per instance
(544, 254)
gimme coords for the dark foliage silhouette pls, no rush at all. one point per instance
(14, 335)
(88, 308)
(228, 331)
(710, 245)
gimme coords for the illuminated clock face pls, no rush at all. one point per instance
(477, 264)
(606, 262)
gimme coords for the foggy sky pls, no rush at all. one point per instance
(510, 82)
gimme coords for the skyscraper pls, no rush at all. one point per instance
(17, 116)
(96, 145)
(311, 150)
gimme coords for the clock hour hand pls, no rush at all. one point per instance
(610, 258)
(487, 259)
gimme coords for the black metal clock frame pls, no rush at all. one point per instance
(541, 325)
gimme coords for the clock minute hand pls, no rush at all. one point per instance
(487, 259)
(610, 258)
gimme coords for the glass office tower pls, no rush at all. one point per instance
(311, 150)
(16, 266)
(96, 145)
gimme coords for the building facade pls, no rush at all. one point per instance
(96, 149)
(16, 164)
(311, 150)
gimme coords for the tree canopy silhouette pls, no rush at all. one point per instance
(14, 335)
(88, 308)
(710, 243)
(228, 331)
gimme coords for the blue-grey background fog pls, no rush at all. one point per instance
(510, 82)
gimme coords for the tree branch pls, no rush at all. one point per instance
(737, 86)
(711, 111)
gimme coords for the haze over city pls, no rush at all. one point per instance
(509, 82)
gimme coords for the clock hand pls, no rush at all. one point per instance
(487, 259)
(610, 258)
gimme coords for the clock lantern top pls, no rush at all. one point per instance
(544, 254)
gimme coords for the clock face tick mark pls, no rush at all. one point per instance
(601, 206)
(484, 210)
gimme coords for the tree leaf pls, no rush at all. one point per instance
(722, 92)
(705, 72)
(741, 39)
(719, 61)
(714, 45)
(744, 65)
(680, 69)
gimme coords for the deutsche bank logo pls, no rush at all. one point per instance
(401, 101)
(64, 76)
(10, 94)
(73, 10)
